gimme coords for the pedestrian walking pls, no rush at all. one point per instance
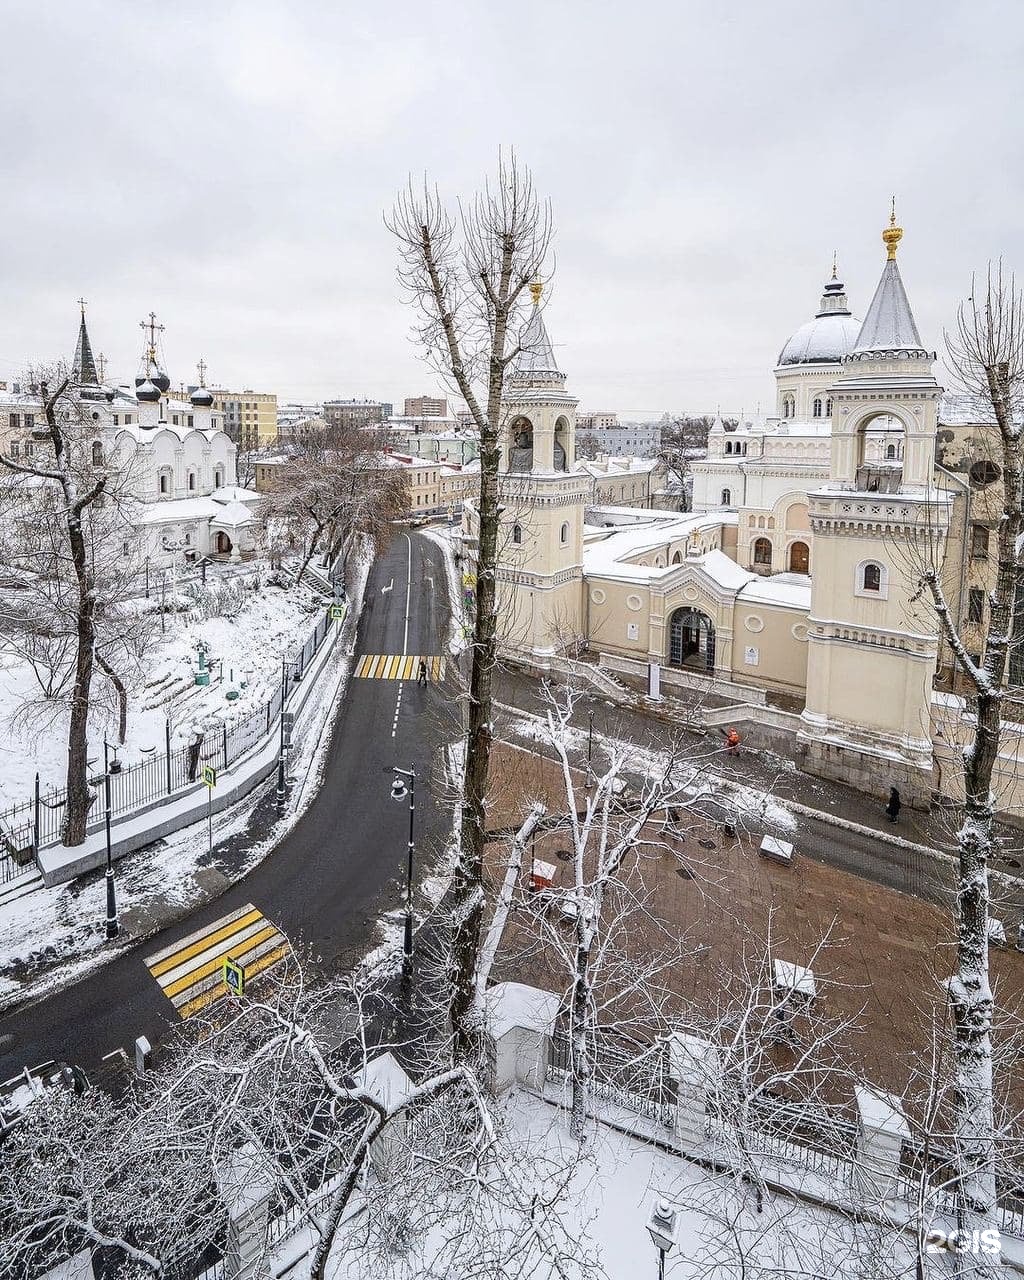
(732, 742)
(421, 679)
(894, 806)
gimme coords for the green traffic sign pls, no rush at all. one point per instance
(234, 976)
(209, 775)
(337, 612)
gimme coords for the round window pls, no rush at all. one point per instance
(983, 473)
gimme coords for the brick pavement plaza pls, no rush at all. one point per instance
(887, 954)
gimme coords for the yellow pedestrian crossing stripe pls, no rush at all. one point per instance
(398, 666)
(191, 972)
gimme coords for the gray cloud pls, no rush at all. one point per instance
(228, 166)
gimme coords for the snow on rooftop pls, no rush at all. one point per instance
(180, 509)
(513, 1004)
(788, 590)
(385, 1079)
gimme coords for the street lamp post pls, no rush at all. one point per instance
(403, 783)
(663, 1227)
(112, 925)
(590, 738)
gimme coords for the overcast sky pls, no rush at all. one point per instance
(227, 165)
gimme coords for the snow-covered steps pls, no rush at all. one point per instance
(19, 888)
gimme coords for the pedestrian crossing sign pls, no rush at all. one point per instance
(337, 612)
(234, 976)
(209, 775)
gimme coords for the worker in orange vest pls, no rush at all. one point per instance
(732, 742)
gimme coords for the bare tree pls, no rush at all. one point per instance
(681, 443)
(429, 1160)
(468, 281)
(338, 486)
(66, 514)
(986, 352)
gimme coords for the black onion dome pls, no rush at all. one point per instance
(147, 392)
(161, 380)
(201, 398)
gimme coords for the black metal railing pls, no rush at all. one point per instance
(36, 823)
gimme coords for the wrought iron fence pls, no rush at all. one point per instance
(36, 823)
(639, 1082)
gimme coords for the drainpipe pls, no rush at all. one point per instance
(963, 539)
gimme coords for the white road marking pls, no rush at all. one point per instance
(408, 596)
(389, 587)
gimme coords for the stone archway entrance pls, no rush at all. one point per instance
(222, 545)
(799, 558)
(691, 640)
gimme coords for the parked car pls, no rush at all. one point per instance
(24, 1090)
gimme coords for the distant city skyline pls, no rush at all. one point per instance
(702, 167)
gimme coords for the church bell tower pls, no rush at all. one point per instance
(540, 548)
(878, 523)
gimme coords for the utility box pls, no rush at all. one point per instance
(542, 874)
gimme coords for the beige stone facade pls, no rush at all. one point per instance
(797, 577)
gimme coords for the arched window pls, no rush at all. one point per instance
(890, 451)
(763, 552)
(517, 534)
(218, 477)
(728, 446)
(828, 407)
(164, 482)
(872, 580)
(97, 454)
(726, 497)
(744, 448)
(191, 480)
(563, 537)
(817, 407)
(788, 406)
(677, 557)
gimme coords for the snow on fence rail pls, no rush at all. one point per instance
(35, 823)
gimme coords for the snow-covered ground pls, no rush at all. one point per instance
(603, 1209)
(244, 646)
(53, 936)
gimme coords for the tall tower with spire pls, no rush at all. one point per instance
(540, 551)
(872, 641)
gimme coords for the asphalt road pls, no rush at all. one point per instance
(342, 864)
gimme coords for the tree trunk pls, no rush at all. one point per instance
(122, 696)
(467, 889)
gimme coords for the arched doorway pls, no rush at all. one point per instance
(799, 558)
(223, 544)
(691, 640)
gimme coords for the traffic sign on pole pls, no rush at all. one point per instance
(209, 775)
(337, 612)
(234, 976)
